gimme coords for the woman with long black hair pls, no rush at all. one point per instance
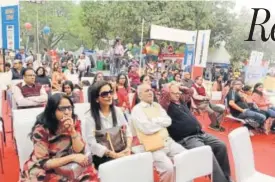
(57, 140)
(108, 134)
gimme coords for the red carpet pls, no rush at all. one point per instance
(264, 150)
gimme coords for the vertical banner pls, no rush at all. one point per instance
(202, 48)
(256, 58)
(10, 27)
(188, 57)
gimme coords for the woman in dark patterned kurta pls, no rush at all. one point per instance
(57, 141)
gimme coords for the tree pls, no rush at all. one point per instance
(63, 19)
(109, 19)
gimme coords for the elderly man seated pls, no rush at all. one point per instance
(28, 94)
(187, 130)
(150, 118)
(202, 102)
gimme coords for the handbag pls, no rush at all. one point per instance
(73, 170)
(154, 141)
(113, 139)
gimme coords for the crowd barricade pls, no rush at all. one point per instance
(23, 121)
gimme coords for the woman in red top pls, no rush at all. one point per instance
(134, 76)
(123, 90)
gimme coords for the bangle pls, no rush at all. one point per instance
(74, 137)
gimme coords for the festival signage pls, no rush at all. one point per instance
(10, 27)
(202, 48)
(254, 74)
(256, 58)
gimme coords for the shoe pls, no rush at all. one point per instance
(216, 128)
(222, 129)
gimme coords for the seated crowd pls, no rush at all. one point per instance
(57, 136)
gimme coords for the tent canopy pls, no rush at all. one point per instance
(218, 55)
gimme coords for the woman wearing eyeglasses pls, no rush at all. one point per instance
(108, 134)
(57, 140)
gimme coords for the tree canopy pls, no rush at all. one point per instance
(90, 22)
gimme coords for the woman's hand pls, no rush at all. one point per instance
(126, 152)
(68, 124)
(81, 159)
(114, 155)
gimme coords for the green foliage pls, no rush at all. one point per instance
(63, 18)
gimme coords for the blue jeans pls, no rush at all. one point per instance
(271, 112)
(249, 114)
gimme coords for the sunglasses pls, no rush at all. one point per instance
(64, 108)
(106, 93)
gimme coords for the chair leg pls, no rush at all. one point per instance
(4, 131)
(2, 143)
(1, 163)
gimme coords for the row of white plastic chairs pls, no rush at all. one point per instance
(239, 141)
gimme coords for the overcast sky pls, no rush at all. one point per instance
(268, 4)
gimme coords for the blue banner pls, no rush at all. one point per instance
(10, 27)
(188, 57)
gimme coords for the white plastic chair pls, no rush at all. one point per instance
(243, 156)
(134, 168)
(85, 94)
(193, 163)
(23, 121)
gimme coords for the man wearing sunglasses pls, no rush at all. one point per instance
(150, 118)
(28, 94)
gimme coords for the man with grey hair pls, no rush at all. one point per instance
(149, 118)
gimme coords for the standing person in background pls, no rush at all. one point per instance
(46, 57)
(118, 54)
(88, 63)
(21, 55)
(81, 65)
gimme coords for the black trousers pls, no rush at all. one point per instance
(221, 167)
(100, 160)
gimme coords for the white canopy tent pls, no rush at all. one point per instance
(218, 55)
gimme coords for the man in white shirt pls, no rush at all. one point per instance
(118, 54)
(151, 124)
(28, 94)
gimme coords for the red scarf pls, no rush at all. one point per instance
(200, 90)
